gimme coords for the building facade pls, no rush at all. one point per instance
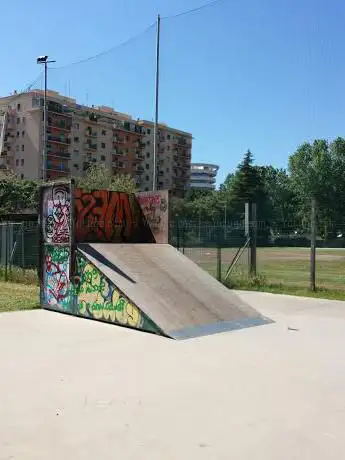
(203, 176)
(78, 136)
(174, 151)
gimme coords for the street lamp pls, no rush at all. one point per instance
(44, 60)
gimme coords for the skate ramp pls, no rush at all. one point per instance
(180, 298)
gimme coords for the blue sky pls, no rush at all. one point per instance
(260, 74)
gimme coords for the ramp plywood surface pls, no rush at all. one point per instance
(180, 297)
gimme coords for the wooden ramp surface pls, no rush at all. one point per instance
(180, 297)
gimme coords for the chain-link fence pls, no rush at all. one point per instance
(282, 252)
(18, 248)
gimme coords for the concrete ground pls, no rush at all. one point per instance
(77, 389)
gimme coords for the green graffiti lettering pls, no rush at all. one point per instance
(121, 303)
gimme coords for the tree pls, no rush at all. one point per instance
(97, 177)
(247, 186)
(316, 172)
(280, 193)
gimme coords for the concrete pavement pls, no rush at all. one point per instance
(78, 389)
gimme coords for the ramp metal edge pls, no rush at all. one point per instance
(216, 328)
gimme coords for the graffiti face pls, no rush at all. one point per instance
(56, 277)
(102, 215)
(56, 214)
(100, 299)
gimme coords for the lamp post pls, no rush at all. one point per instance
(44, 60)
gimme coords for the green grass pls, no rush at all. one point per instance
(18, 275)
(15, 296)
(281, 270)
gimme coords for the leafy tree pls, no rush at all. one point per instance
(283, 199)
(97, 177)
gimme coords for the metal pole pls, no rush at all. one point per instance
(313, 247)
(225, 221)
(253, 238)
(155, 143)
(45, 122)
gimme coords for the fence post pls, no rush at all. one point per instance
(23, 247)
(6, 251)
(247, 232)
(219, 256)
(313, 246)
(253, 238)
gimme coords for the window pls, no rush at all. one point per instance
(22, 176)
(168, 148)
(104, 132)
(76, 151)
(22, 161)
(76, 125)
(76, 139)
(102, 145)
(102, 157)
(17, 162)
(146, 189)
(148, 155)
(149, 131)
(18, 133)
(9, 148)
(22, 148)
(168, 136)
(23, 133)
(76, 166)
(127, 138)
(147, 178)
(18, 107)
(148, 142)
(147, 166)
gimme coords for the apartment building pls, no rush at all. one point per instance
(78, 136)
(203, 176)
(174, 150)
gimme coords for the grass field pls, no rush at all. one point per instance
(15, 296)
(280, 269)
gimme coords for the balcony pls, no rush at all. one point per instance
(118, 153)
(59, 124)
(89, 146)
(58, 140)
(139, 156)
(139, 169)
(89, 133)
(57, 168)
(59, 109)
(58, 154)
(118, 140)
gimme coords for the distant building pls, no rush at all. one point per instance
(203, 176)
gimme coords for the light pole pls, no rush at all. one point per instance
(44, 60)
(155, 129)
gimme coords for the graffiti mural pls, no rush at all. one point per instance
(99, 298)
(56, 291)
(56, 214)
(156, 211)
(105, 216)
